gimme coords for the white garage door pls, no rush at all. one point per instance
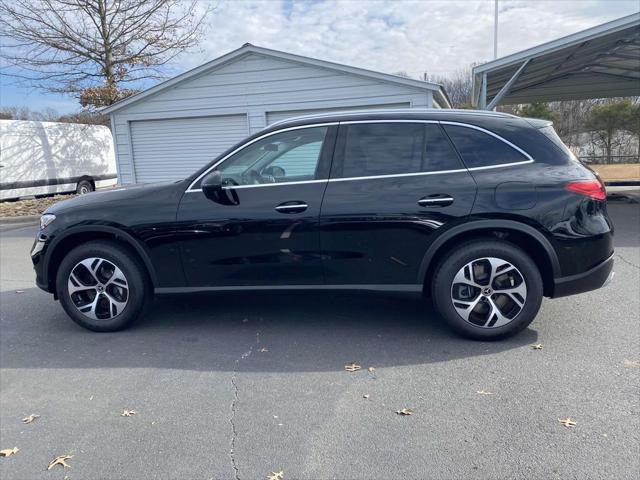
(174, 149)
(273, 117)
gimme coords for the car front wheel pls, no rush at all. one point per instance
(487, 289)
(102, 286)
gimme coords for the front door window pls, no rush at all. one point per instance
(283, 157)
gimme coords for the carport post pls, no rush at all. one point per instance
(505, 89)
(483, 92)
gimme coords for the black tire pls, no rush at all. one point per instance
(456, 259)
(84, 186)
(137, 285)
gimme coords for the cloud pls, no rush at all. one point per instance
(440, 37)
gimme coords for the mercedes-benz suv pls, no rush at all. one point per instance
(484, 212)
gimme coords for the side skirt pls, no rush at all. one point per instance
(414, 288)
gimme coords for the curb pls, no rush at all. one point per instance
(27, 219)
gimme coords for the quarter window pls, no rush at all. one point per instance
(282, 157)
(479, 149)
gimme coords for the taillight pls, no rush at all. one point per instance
(589, 188)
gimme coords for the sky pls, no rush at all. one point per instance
(437, 37)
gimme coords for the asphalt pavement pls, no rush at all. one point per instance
(236, 386)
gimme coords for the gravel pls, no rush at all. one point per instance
(29, 206)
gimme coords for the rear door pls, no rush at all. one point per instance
(392, 186)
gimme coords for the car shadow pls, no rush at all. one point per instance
(283, 331)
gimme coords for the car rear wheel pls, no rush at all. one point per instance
(487, 289)
(102, 286)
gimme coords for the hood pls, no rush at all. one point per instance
(118, 194)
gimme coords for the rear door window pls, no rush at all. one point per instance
(372, 149)
(479, 149)
(438, 151)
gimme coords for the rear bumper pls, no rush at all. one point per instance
(597, 277)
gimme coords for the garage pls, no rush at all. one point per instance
(172, 129)
(195, 141)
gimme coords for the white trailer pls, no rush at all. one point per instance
(42, 158)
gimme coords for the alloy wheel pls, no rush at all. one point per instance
(98, 288)
(488, 292)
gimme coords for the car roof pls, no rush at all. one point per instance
(470, 116)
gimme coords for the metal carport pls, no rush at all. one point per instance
(600, 62)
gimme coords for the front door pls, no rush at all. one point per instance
(392, 186)
(264, 228)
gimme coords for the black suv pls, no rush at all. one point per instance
(485, 212)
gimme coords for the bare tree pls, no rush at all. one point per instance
(459, 87)
(25, 113)
(95, 49)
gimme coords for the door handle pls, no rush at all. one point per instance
(292, 207)
(439, 200)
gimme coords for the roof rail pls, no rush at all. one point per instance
(438, 111)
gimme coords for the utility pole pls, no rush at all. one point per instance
(495, 30)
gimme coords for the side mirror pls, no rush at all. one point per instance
(212, 189)
(212, 185)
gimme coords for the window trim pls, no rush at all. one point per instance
(530, 159)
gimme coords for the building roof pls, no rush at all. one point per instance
(600, 62)
(438, 91)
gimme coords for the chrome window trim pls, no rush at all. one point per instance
(416, 174)
(370, 177)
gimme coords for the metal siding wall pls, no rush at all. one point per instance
(174, 149)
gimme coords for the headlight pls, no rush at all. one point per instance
(46, 219)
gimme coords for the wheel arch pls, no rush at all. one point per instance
(533, 242)
(62, 244)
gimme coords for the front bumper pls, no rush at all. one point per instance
(37, 257)
(597, 277)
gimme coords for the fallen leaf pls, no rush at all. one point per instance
(482, 392)
(537, 346)
(567, 422)
(263, 350)
(352, 367)
(276, 475)
(371, 369)
(405, 411)
(365, 396)
(30, 418)
(632, 363)
(7, 452)
(128, 413)
(60, 460)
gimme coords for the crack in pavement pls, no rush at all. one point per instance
(234, 403)
(627, 261)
